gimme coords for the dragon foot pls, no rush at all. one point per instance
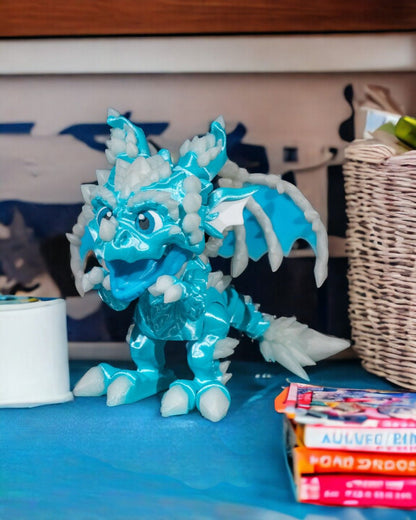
(121, 386)
(212, 400)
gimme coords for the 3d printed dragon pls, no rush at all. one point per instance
(152, 223)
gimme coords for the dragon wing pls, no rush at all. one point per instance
(275, 215)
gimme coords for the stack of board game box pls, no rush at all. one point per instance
(350, 447)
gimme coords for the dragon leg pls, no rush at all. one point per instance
(124, 386)
(207, 391)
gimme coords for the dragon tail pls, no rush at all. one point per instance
(283, 340)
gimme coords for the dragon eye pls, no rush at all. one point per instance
(148, 221)
(105, 213)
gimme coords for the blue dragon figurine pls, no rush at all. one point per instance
(153, 223)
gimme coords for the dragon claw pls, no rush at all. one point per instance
(213, 404)
(175, 402)
(92, 384)
(117, 392)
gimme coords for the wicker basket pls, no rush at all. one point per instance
(380, 185)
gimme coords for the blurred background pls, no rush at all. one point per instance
(291, 80)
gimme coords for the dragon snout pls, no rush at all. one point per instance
(122, 238)
(127, 241)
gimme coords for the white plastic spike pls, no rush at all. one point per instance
(164, 282)
(192, 184)
(224, 283)
(110, 156)
(118, 133)
(191, 222)
(293, 344)
(275, 352)
(174, 402)
(220, 120)
(92, 384)
(214, 279)
(302, 357)
(173, 294)
(196, 236)
(111, 112)
(118, 390)
(108, 229)
(87, 212)
(78, 229)
(117, 146)
(78, 284)
(132, 150)
(130, 137)
(214, 404)
(102, 176)
(106, 283)
(239, 261)
(96, 275)
(87, 284)
(192, 202)
(320, 346)
(204, 159)
(224, 366)
(184, 149)
(87, 191)
(175, 230)
(73, 239)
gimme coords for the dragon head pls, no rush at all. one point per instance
(147, 215)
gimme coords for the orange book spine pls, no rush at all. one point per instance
(314, 461)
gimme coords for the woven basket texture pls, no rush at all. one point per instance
(380, 186)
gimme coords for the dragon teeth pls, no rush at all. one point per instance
(96, 275)
(106, 283)
(87, 283)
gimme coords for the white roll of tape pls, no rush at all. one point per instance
(34, 367)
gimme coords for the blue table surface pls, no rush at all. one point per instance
(84, 460)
